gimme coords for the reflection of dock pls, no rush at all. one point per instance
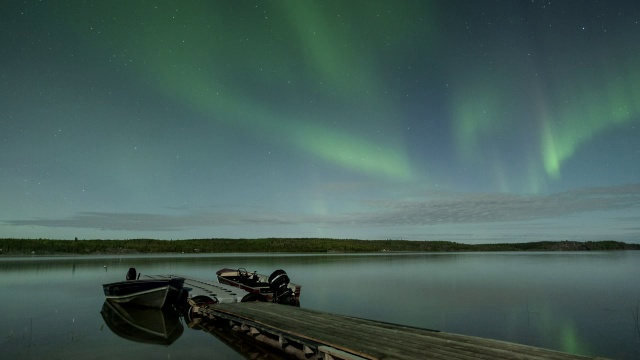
(245, 346)
(312, 334)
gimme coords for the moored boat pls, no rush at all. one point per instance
(273, 288)
(154, 293)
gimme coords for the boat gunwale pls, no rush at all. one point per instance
(162, 288)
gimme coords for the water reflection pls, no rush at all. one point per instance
(163, 327)
(577, 302)
(242, 344)
(142, 324)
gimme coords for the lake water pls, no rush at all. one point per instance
(578, 302)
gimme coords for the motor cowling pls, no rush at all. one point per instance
(131, 274)
(278, 282)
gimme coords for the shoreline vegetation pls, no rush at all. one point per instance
(283, 245)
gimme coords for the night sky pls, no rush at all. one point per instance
(469, 121)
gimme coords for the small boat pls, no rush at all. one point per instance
(154, 293)
(142, 324)
(274, 288)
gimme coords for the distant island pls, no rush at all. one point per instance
(283, 245)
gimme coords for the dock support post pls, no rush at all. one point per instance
(307, 350)
(330, 353)
(282, 341)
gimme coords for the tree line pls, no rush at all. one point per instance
(283, 245)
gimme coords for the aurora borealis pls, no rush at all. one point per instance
(428, 120)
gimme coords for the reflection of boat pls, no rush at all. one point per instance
(274, 288)
(155, 293)
(140, 324)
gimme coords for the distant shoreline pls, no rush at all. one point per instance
(283, 245)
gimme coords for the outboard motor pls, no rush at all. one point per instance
(131, 274)
(278, 282)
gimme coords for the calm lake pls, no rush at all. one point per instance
(578, 302)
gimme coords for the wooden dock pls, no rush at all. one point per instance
(206, 289)
(309, 334)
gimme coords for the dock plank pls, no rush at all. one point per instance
(212, 289)
(377, 340)
(368, 335)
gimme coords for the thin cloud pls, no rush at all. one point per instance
(492, 208)
(153, 222)
(440, 210)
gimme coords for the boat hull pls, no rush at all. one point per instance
(257, 285)
(155, 293)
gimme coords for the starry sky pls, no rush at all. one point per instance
(468, 121)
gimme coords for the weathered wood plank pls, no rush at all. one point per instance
(212, 289)
(367, 330)
(367, 340)
(378, 340)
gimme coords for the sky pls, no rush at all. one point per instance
(468, 121)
